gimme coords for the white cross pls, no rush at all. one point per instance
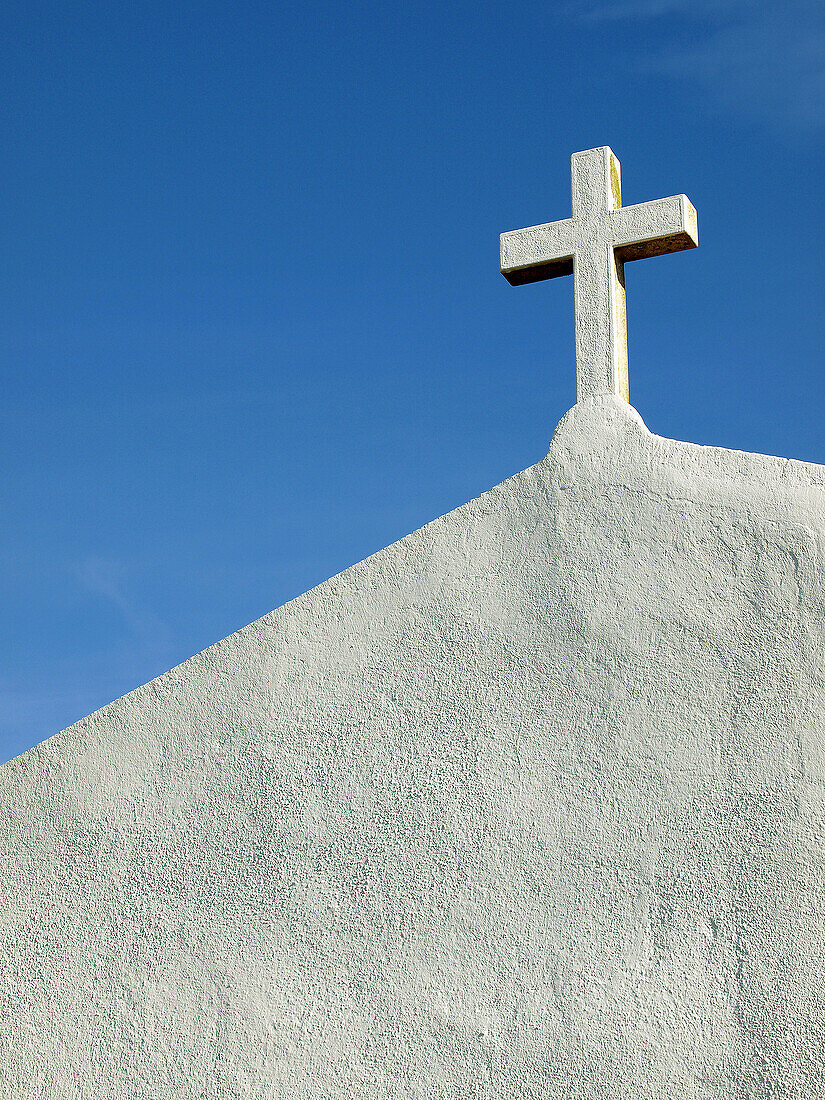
(594, 245)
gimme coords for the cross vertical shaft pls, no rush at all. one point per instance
(598, 277)
(594, 246)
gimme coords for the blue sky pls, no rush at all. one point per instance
(253, 327)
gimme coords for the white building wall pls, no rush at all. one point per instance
(528, 805)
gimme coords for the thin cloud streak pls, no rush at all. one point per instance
(106, 578)
(772, 71)
(764, 63)
(654, 9)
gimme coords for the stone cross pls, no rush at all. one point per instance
(593, 246)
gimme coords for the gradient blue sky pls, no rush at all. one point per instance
(253, 324)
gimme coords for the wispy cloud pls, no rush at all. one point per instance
(109, 579)
(771, 69)
(765, 62)
(604, 10)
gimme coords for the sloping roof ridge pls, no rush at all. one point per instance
(604, 433)
(487, 498)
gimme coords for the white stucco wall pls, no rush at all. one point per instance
(528, 805)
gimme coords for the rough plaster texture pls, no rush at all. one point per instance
(528, 805)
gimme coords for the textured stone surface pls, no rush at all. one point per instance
(528, 805)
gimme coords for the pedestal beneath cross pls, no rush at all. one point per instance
(594, 246)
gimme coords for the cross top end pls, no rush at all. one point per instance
(594, 246)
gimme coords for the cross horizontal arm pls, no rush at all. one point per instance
(540, 252)
(654, 228)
